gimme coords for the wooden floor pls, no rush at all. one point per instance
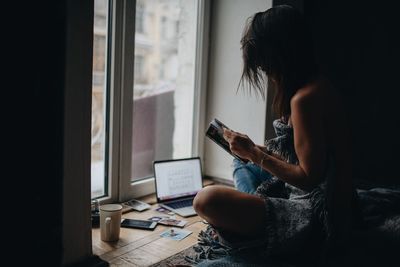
(142, 247)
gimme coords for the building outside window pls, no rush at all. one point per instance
(140, 76)
(140, 16)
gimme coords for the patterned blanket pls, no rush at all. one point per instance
(374, 245)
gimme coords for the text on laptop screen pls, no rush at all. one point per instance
(178, 178)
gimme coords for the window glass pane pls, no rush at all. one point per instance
(99, 98)
(163, 82)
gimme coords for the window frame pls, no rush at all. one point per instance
(120, 186)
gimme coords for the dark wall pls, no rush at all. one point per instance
(33, 59)
(357, 48)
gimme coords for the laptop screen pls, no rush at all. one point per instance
(177, 178)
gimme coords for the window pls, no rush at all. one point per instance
(99, 93)
(164, 27)
(176, 28)
(139, 76)
(154, 93)
(140, 17)
(163, 100)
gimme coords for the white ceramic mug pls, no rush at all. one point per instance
(110, 221)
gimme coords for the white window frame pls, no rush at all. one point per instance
(120, 186)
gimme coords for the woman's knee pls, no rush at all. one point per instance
(237, 164)
(230, 209)
(208, 200)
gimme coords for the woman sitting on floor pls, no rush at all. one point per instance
(281, 199)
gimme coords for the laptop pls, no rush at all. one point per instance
(177, 183)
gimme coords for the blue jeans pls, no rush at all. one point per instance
(248, 176)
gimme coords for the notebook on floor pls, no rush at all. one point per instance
(177, 183)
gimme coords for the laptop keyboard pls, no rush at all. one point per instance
(181, 204)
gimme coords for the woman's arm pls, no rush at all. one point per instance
(265, 150)
(242, 146)
(309, 143)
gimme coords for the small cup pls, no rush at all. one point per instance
(110, 222)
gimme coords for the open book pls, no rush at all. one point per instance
(215, 132)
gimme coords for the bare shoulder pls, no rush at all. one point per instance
(310, 95)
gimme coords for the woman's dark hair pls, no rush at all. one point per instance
(277, 43)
